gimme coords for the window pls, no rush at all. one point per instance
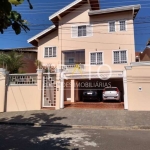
(50, 52)
(122, 25)
(82, 31)
(120, 57)
(112, 26)
(96, 58)
(71, 60)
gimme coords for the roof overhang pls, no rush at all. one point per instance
(34, 40)
(72, 6)
(134, 8)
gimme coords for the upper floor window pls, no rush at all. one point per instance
(50, 52)
(122, 25)
(81, 31)
(96, 58)
(112, 27)
(120, 57)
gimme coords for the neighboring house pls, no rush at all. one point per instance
(145, 55)
(29, 57)
(96, 39)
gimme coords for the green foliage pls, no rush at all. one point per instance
(38, 64)
(13, 61)
(8, 17)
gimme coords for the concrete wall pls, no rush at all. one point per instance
(23, 98)
(138, 77)
(2, 92)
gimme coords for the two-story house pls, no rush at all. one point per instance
(91, 45)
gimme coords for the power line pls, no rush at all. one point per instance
(101, 2)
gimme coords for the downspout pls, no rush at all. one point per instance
(62, 90)
(133, 34)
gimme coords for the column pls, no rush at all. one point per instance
(3, 90)
(72, 91)
(125, 90)
(59, 91)
(40, 87)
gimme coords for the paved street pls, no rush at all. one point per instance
(46, 138)
(83, 117)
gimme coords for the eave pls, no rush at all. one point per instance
(35, 39)
(72, 6)
(134, 8)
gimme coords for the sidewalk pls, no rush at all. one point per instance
(80, 117)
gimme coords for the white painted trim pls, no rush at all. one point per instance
(93, 75)
(145, 63)
(41, 33)
(64, 9)
(125, 89)
(119, 56)
(128, 67)
(115, 9)
(77, 25)
(96, 52)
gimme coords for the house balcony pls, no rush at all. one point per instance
(72, 60)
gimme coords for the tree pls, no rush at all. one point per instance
(13, 61)
(38, 64)
(10, 18)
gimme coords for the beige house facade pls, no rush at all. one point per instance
(89, 45)
(90, 48)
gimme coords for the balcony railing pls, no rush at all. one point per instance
(71, 67)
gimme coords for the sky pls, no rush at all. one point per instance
(38, 21)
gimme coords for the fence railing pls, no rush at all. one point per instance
(68, 67)
(22, 79)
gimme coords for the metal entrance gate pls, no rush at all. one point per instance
(49, 90)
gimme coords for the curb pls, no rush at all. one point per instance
(76, 126)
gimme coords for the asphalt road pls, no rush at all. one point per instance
(46, 138)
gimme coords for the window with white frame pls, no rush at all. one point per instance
(82, 31)
(50, 52)
(96, 58)
(112, 27)
(122, 25)
(120, 57)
